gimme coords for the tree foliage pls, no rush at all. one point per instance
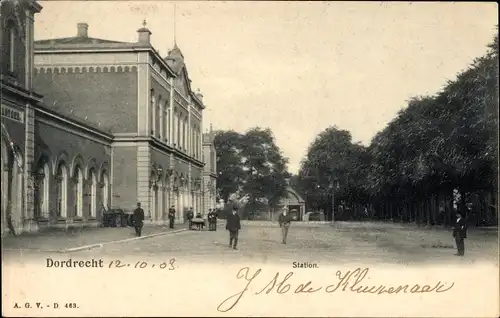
(250, 164)
(434, 145)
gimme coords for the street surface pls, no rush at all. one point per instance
(364, 243)
(191, 273)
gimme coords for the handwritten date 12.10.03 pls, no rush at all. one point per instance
(167, 265)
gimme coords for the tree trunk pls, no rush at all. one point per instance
(428, 207)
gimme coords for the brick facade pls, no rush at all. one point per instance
(105, 96)
(115, 127)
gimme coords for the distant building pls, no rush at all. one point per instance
(146, 103)
(117, 124)
(294, 202)
(210, 171)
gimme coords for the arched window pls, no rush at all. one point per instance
(159, 126)
(42, 178)
(11, 45)
(62, 190)
(152, 111)
(193, 141)
(45, 191)
(183, 133)
(174, 126)
(93, 193)
(78, 180)
(105, 190)
(178, 129)
(167, 119)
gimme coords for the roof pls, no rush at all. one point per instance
(289, 189)
(175, 59)
(78, 40)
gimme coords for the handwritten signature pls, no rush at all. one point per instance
(349, 281)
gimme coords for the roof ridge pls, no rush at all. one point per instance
(79, 39)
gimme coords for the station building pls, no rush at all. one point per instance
(89, 124)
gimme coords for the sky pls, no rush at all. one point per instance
(297, 67)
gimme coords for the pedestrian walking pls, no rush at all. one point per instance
(284, 220)
(215, 216)
(460, 233)
(138, 219)
(210, 221)
(233, 225)
(171, 216)
(190, 216)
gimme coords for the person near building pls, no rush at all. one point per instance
(171, 216)
(284, 220)
(460, 233)
(233, 225)
(209, 218)
(190, 216)
(215, 216)
(138, 219)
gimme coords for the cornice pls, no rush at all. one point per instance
(19, 91)
(75, 68)
(43, 112)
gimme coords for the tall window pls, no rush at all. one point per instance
(196, 146)
(184, 133)
(178, 120)
(174, 129)
(159, 120)
(45, 191)
(105, 190)
(167, 119)
(62, 191)
(93, 194)
(42, 191)
(12, 48)
(152, 115)
(10, 45)
(78, 178)
(193, 141)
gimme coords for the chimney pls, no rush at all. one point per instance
(83, 29)
(144, 34)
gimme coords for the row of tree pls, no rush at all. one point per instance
(250, 164)
(440, 153)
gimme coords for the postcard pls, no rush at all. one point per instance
(237, 158)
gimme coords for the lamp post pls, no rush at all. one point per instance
(333, 186)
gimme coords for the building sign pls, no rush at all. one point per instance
(12, 113)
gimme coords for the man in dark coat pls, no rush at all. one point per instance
(214, 218)
(460, 233)
(210, 220)
(190, 216)
(233, 225)
(284, 220)
(171, 216)
(138, 219)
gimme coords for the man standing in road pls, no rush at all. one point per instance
(233, 225)
(138, 219)
(214, 218)
(210, 220)
(190, 216)
(284, 220)
(171, 216)
(460, 233)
